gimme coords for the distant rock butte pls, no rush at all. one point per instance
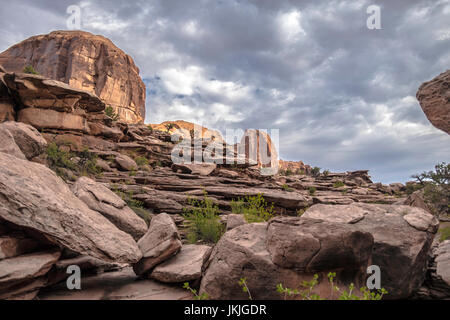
(434, 98)
(84, 61)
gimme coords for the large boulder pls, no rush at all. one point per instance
(34, 198)
(434, 98)
(27, 138)
(101, 199)
(84, 61)
(161, 242)
(287, 250)
(402, 237)
(187, 265)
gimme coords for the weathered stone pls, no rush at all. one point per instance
(18, 270)
(434, 98)
(203, 169)
(35, 198)
(402, 234)
(51, 119)
(101, 199)
(16, 245)
(287, 251)
(27, 138)
(84, 61)
(235, 220)
(126, 163)
(8, 145)
(159, 243)
(341, 214)
(35, 91)
(185, 266)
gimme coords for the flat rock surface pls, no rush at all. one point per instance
(120, 285)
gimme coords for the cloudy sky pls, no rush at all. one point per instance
(342, 96)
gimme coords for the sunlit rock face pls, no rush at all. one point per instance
(84, 61)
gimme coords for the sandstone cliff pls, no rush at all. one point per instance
(84, 61)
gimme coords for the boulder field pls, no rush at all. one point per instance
(79, 187)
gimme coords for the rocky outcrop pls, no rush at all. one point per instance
(34, 198)
(287, 250)
(257, 146)
(101, 199)
(161, 242)
(402, 237)
(187, 265)
(434, 98)
(83, 61)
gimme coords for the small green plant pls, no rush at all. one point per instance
(300, 212)
(285, 187)
(338, 184)
(444, 233)
(202, 220)
(203, 296)
(326, 173)
(254, 208)
(109, 111)
(141, 161)
(29, 70)
(288, 172)
(308, 292)
(312, 191)
(243, 284)
(344, 191)
(287, 292)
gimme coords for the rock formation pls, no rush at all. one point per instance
(434, 98)
(87, 62)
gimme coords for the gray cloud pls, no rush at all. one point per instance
(342, 96)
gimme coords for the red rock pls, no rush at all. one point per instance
(84, 61)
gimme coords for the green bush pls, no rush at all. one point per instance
(315, 171)
(203, 221)
(109, 111)
(312, 191)
(254, 208)
(338, 184)
(326, 173)
(141, 161)
(59, 158)
(29, 70)
(285, 187)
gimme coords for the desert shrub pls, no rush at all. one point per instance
(315, 171)
(29, 70)
(288, 172)
(141, 161)
(300, 171)
(326, 173)
(202, 220)
(169, 126)
(436, 186)
(444, 233)
(109, 111)
(88, 163)
(254, 208)
(285, 187)
(338, 184)
(312, 191)
(59, 158)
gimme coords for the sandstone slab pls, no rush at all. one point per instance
(35, 198)
(161, 242)
(185, 266)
